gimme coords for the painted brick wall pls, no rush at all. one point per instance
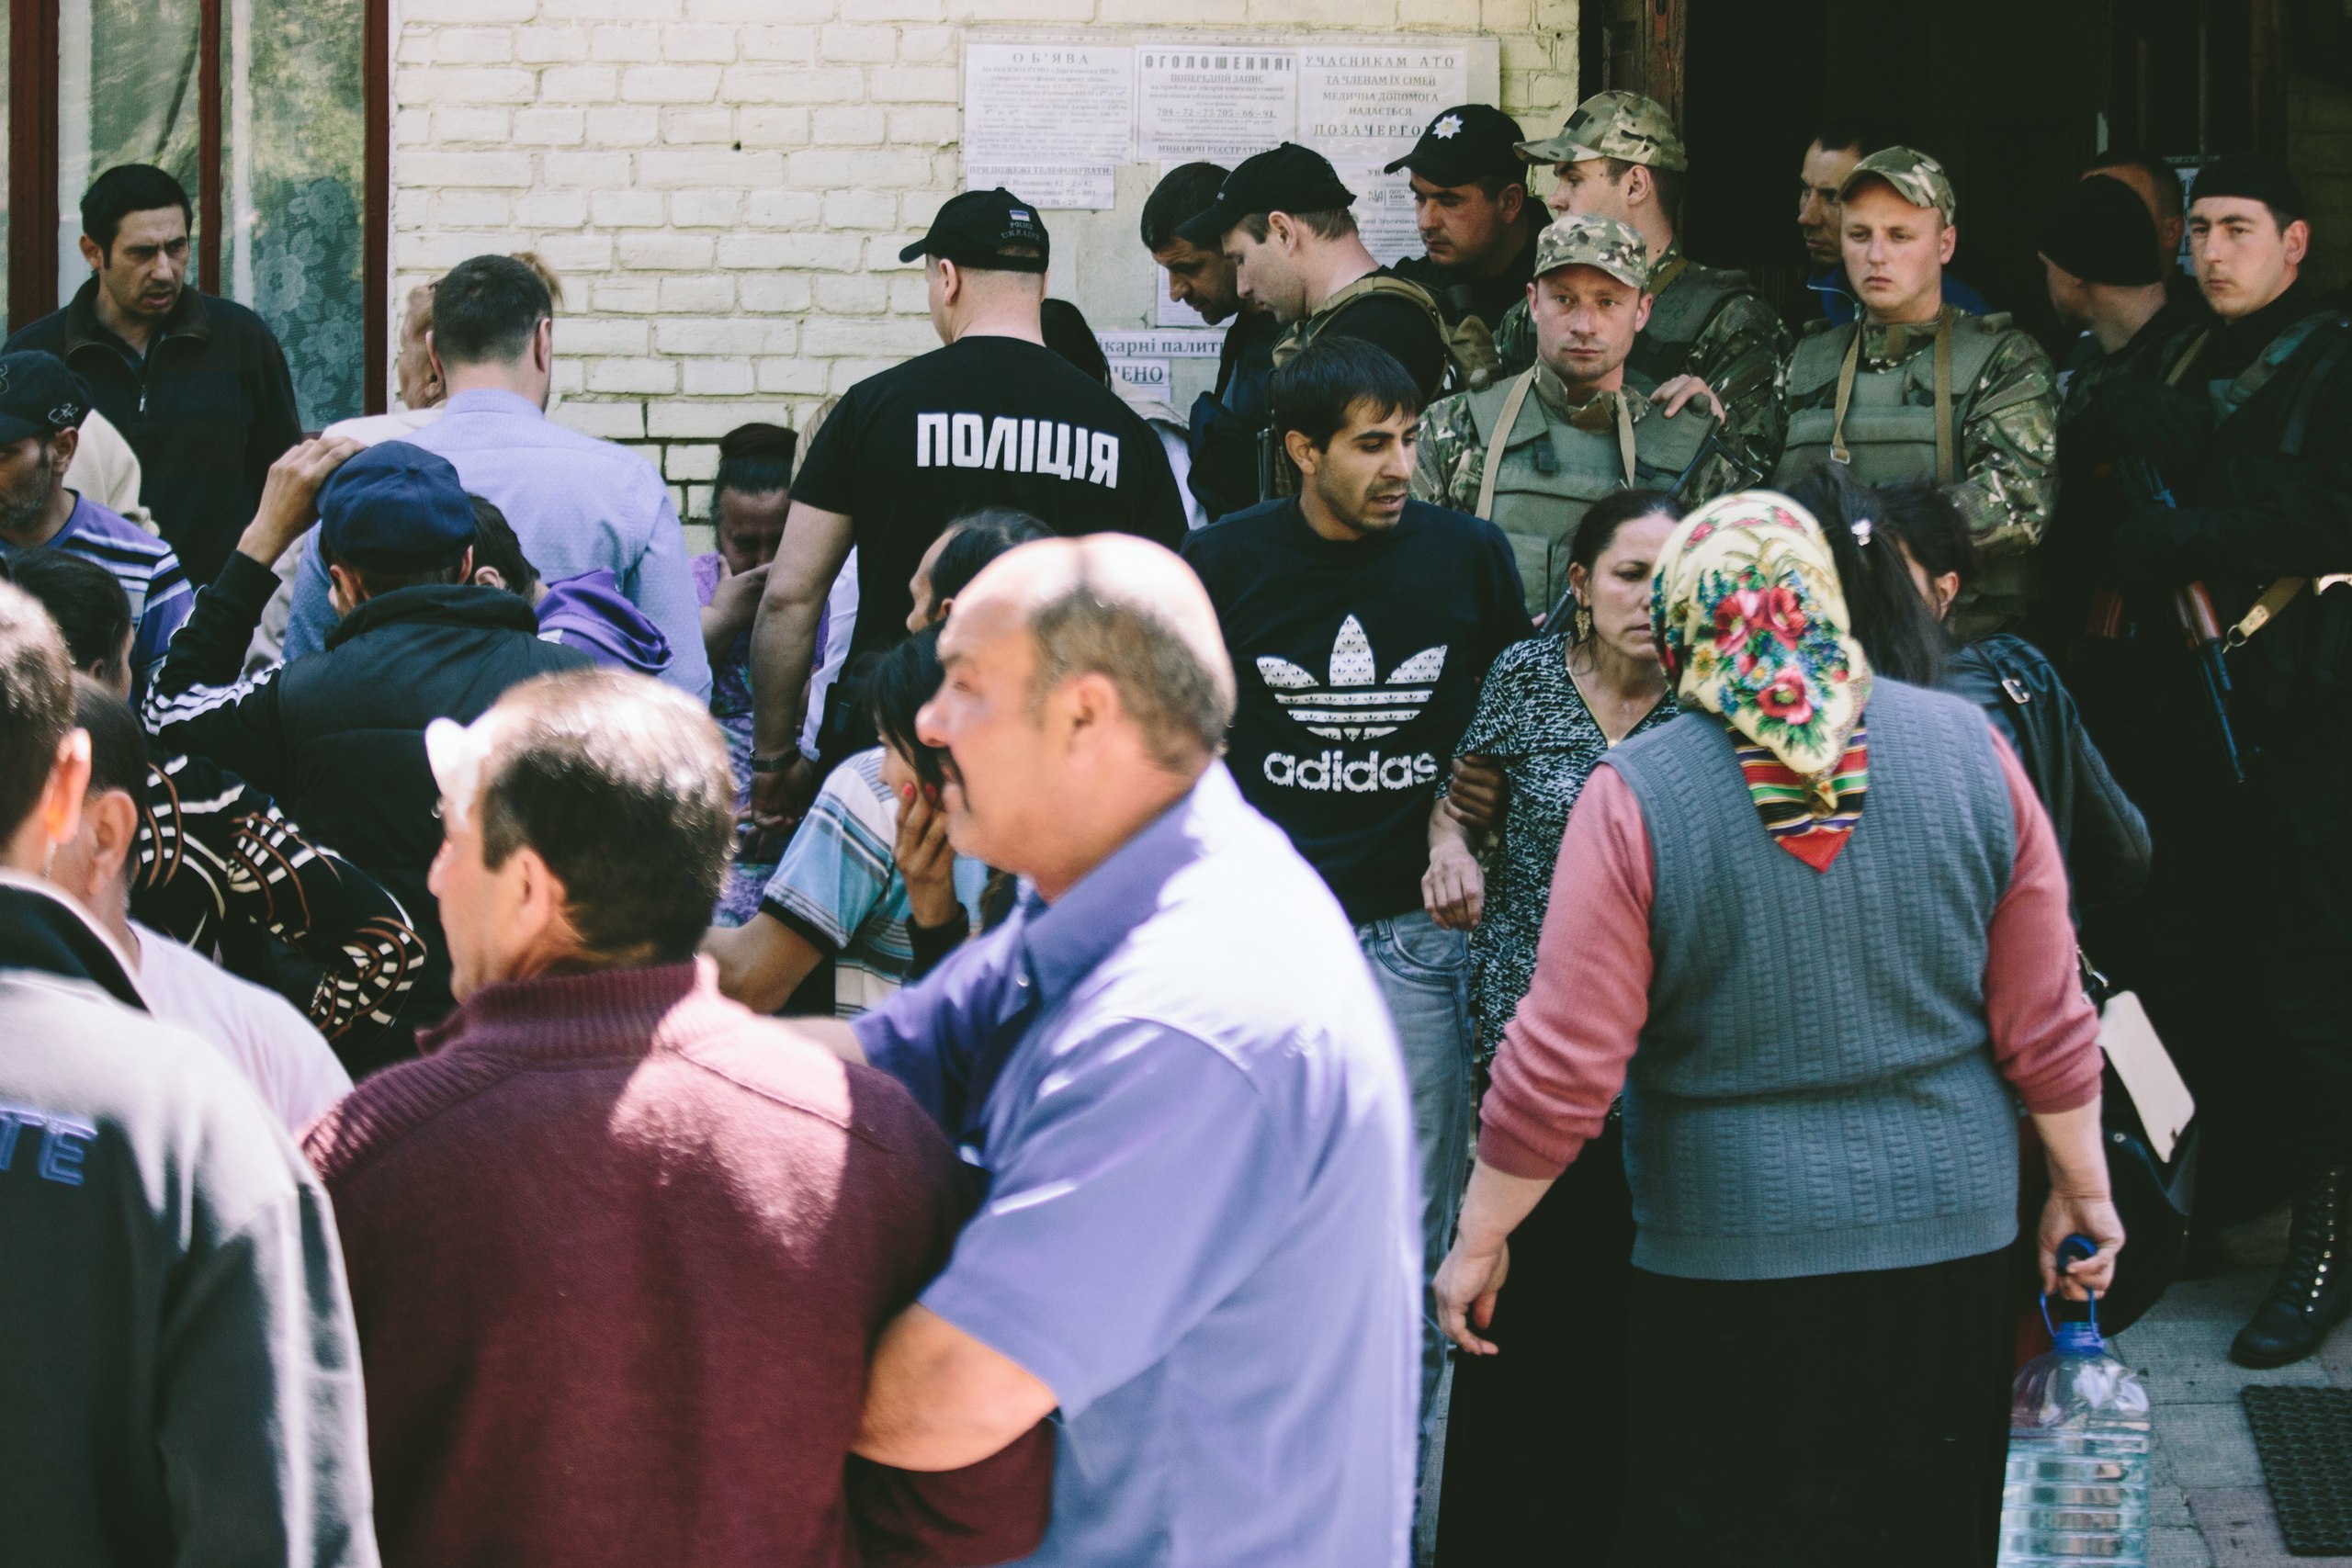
(725, 184)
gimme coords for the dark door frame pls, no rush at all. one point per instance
(34, 213)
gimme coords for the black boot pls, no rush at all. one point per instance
(2314, 1286)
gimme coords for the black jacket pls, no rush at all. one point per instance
(208, 411)
(2101, 834)
(337, 738)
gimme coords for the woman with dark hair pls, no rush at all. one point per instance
(748, 501)
(1550, 709)
(963, 548)
(869, 880)
(1905, 557)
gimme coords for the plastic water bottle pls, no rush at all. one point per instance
(2077, 1493)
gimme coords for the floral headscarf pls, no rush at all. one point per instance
(1752, 627)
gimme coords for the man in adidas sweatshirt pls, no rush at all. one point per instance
(1360, 623)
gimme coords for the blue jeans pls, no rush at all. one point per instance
(1424, 977)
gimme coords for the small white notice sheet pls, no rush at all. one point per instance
(1050, 122)
(1218, 103)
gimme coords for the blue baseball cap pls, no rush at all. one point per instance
(396, 507)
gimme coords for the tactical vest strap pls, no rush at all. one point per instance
(1504, 422)
(1947, 467)
(1370, 286)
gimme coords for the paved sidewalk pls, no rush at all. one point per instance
(2208, 1508)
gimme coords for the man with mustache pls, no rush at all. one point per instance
(1569, 430)
(1360, 623)
(198, 385)
(1918, 390)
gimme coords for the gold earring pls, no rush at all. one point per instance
(1583, 629)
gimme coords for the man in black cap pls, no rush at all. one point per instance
(2098, 256)
(1477, 225)
(42, 405)
(337, 738)
(1282, 219)
(2250, 426)
(1225, 420)
(994, 418)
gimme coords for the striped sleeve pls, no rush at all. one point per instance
(838, 865)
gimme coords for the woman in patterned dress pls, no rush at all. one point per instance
(1533, 1467)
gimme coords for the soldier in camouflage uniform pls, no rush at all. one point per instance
(1917, 390)
(1570, 429)
(1707, 322)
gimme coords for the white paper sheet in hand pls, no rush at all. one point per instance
(2147, 1071)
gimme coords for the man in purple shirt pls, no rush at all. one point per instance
(42, 404)
(576, 503)
(1199, 1241)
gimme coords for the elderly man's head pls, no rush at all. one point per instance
(586, 820)
(1087, 688)
(44, 759)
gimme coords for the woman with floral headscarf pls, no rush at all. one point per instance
(1816, 929)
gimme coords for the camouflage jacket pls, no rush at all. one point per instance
(1451, 463)
(1740, 352)
(2009, 436)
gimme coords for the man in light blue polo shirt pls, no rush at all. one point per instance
(1199, 1241)
(576, 503)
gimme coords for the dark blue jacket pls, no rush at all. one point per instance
(208, 410)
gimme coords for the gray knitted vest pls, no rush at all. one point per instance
(1815, 1090)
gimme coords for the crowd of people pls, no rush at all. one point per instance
(1402, 960)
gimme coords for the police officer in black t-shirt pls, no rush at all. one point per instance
(993, 419)
(1282, 218)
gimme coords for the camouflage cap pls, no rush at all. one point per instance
(1590, 240)
(1625, 126)
(1917, 178)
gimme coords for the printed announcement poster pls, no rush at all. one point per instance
(1218, 103)
(1363, 107)
(1049, 122)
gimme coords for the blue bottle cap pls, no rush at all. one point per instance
(2079, 1339)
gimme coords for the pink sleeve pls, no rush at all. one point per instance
(1563, 1055)
(2045, 1033)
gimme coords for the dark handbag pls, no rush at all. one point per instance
(2154, 1197)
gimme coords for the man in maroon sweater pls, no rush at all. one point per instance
(618, 1250)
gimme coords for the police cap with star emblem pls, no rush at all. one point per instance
(38, 396)
(1466, 143)
(1619, 125)
(1917, 178)
(1594, 240)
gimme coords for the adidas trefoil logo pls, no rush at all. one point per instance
(1356, 704)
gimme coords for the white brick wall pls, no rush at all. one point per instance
(725, 184)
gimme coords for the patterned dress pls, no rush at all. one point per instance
(1533, 722)
(730, 704)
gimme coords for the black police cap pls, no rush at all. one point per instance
(1289, 178)
(2256, 176)
(2099, 229)
(976, 228)
(40, 396)
(1466, 143)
